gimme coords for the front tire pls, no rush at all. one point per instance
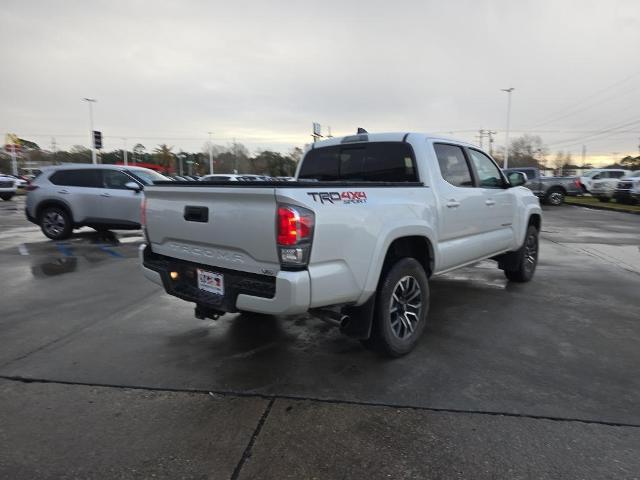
(55, 223)
(6, 196)
(526, 258)
(402, 304)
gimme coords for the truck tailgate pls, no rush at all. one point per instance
(225, 227)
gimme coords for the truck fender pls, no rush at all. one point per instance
(382, 246)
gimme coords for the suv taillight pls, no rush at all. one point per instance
(295, 233)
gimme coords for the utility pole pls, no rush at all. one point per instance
(490, 134)
(124, 152)
(329, 134)
(210, 154)
(53, 149)
(481, 134)
(584, 155)
(90, 101)
(506, 136)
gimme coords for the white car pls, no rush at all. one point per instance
(8, 187)
(605, 189)
(235, 177)
(587, 179)
(353, 241)
(627, 189)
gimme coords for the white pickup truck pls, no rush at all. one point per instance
(354, 240)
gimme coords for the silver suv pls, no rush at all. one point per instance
(98, 196)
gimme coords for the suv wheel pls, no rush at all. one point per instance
(402, 303)
(526, 258)
(6, 196)
(554, 197)
(55, 223)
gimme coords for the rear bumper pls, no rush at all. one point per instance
(287, 293)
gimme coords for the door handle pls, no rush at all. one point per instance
(63, 191)
(490, 203)
(105, 194)
(453, 203)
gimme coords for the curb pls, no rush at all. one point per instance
(598, 207)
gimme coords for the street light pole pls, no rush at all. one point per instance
(125, 153)
(506, 136)
(210, 154)
(94, 159)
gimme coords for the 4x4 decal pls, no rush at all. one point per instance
(335, 197)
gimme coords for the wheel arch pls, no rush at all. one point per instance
(54, 203)
(404, 242)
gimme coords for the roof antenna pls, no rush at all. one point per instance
(361, 130)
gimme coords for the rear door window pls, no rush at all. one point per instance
(453, 165)
(368, 162)
(85, 177)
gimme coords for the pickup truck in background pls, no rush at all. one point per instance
(627, 189)
(551, 190)
(353, 241)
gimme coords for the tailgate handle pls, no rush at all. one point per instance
(196, 214)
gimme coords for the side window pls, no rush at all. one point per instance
(453, 165)
(115, 179)
(489, 175)
(531, 174)
(86, 177)
(617, 174)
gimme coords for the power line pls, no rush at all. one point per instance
(601, 132)
(563, 113)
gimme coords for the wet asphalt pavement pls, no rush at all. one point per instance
(103, 375)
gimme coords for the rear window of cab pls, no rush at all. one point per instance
(369, 162)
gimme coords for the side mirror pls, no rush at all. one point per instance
(133, 186)
(517, 179)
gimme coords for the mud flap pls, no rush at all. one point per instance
(360, 320)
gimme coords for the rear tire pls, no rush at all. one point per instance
(402, 304)
(554, 197)
(526, 258)
(6, 196)
(55, 223)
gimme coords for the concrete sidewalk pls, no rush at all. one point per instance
(51, 430)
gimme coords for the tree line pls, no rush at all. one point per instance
(234, 158)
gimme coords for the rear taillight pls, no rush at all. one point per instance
(31, 187)
(295, 233)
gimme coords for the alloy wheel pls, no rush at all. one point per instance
(405, 308)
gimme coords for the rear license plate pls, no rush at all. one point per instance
(211, 282)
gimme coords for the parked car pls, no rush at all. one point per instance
(627, 190)
(8, 187)
(235, 177)
(587, 178)
(605, 188)
(552, 190)
(99, 196)
(219, 177)
(354, 241)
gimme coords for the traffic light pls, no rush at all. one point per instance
(97, 139)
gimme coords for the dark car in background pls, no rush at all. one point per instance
(551, 190)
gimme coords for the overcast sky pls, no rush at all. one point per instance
(263, 71)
